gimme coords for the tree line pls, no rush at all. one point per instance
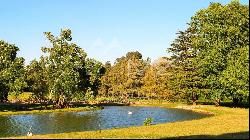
(210, 60)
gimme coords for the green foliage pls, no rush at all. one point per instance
(36, 78)
(89, 95)
(124, 78)
(156, 80)
(235, 78)
(185, 80)
(25, 96)
(148, 121)
(12, 98)
(95, 70)
(11, 71)
(222, 37)
(65, 68)
(211, 56)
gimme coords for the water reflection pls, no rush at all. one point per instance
(109, 117)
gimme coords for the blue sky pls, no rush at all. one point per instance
(105, 29)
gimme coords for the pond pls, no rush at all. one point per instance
(107, 118)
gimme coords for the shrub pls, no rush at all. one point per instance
(12, 97)
(148, 121)
(89, 96)
(25, 96)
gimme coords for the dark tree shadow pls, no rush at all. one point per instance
(4, 107)
(238, 135)
(14, 107)
(226, 104)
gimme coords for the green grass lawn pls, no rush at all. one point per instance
(225, 123)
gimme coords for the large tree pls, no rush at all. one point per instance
(186, 81)
(105, 84)
(11, 71)
(156, 80)
(136, 68)
(124, 78)
(65, 68)
(211, 56)
(221, 36)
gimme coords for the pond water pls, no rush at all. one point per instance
(107, 118)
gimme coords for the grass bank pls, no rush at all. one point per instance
(225, 123)
(18, 109)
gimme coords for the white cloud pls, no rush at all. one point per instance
(114, 46)
(98, 42)
(107, 51)
(115, 43)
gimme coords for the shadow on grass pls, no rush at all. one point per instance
(14, 107)
(225, 104)
(238, 135)
(19, 107)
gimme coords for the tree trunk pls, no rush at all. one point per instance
(217, 102)
(60, 103)
(194, 98)
(5, 97)
(194, 101)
